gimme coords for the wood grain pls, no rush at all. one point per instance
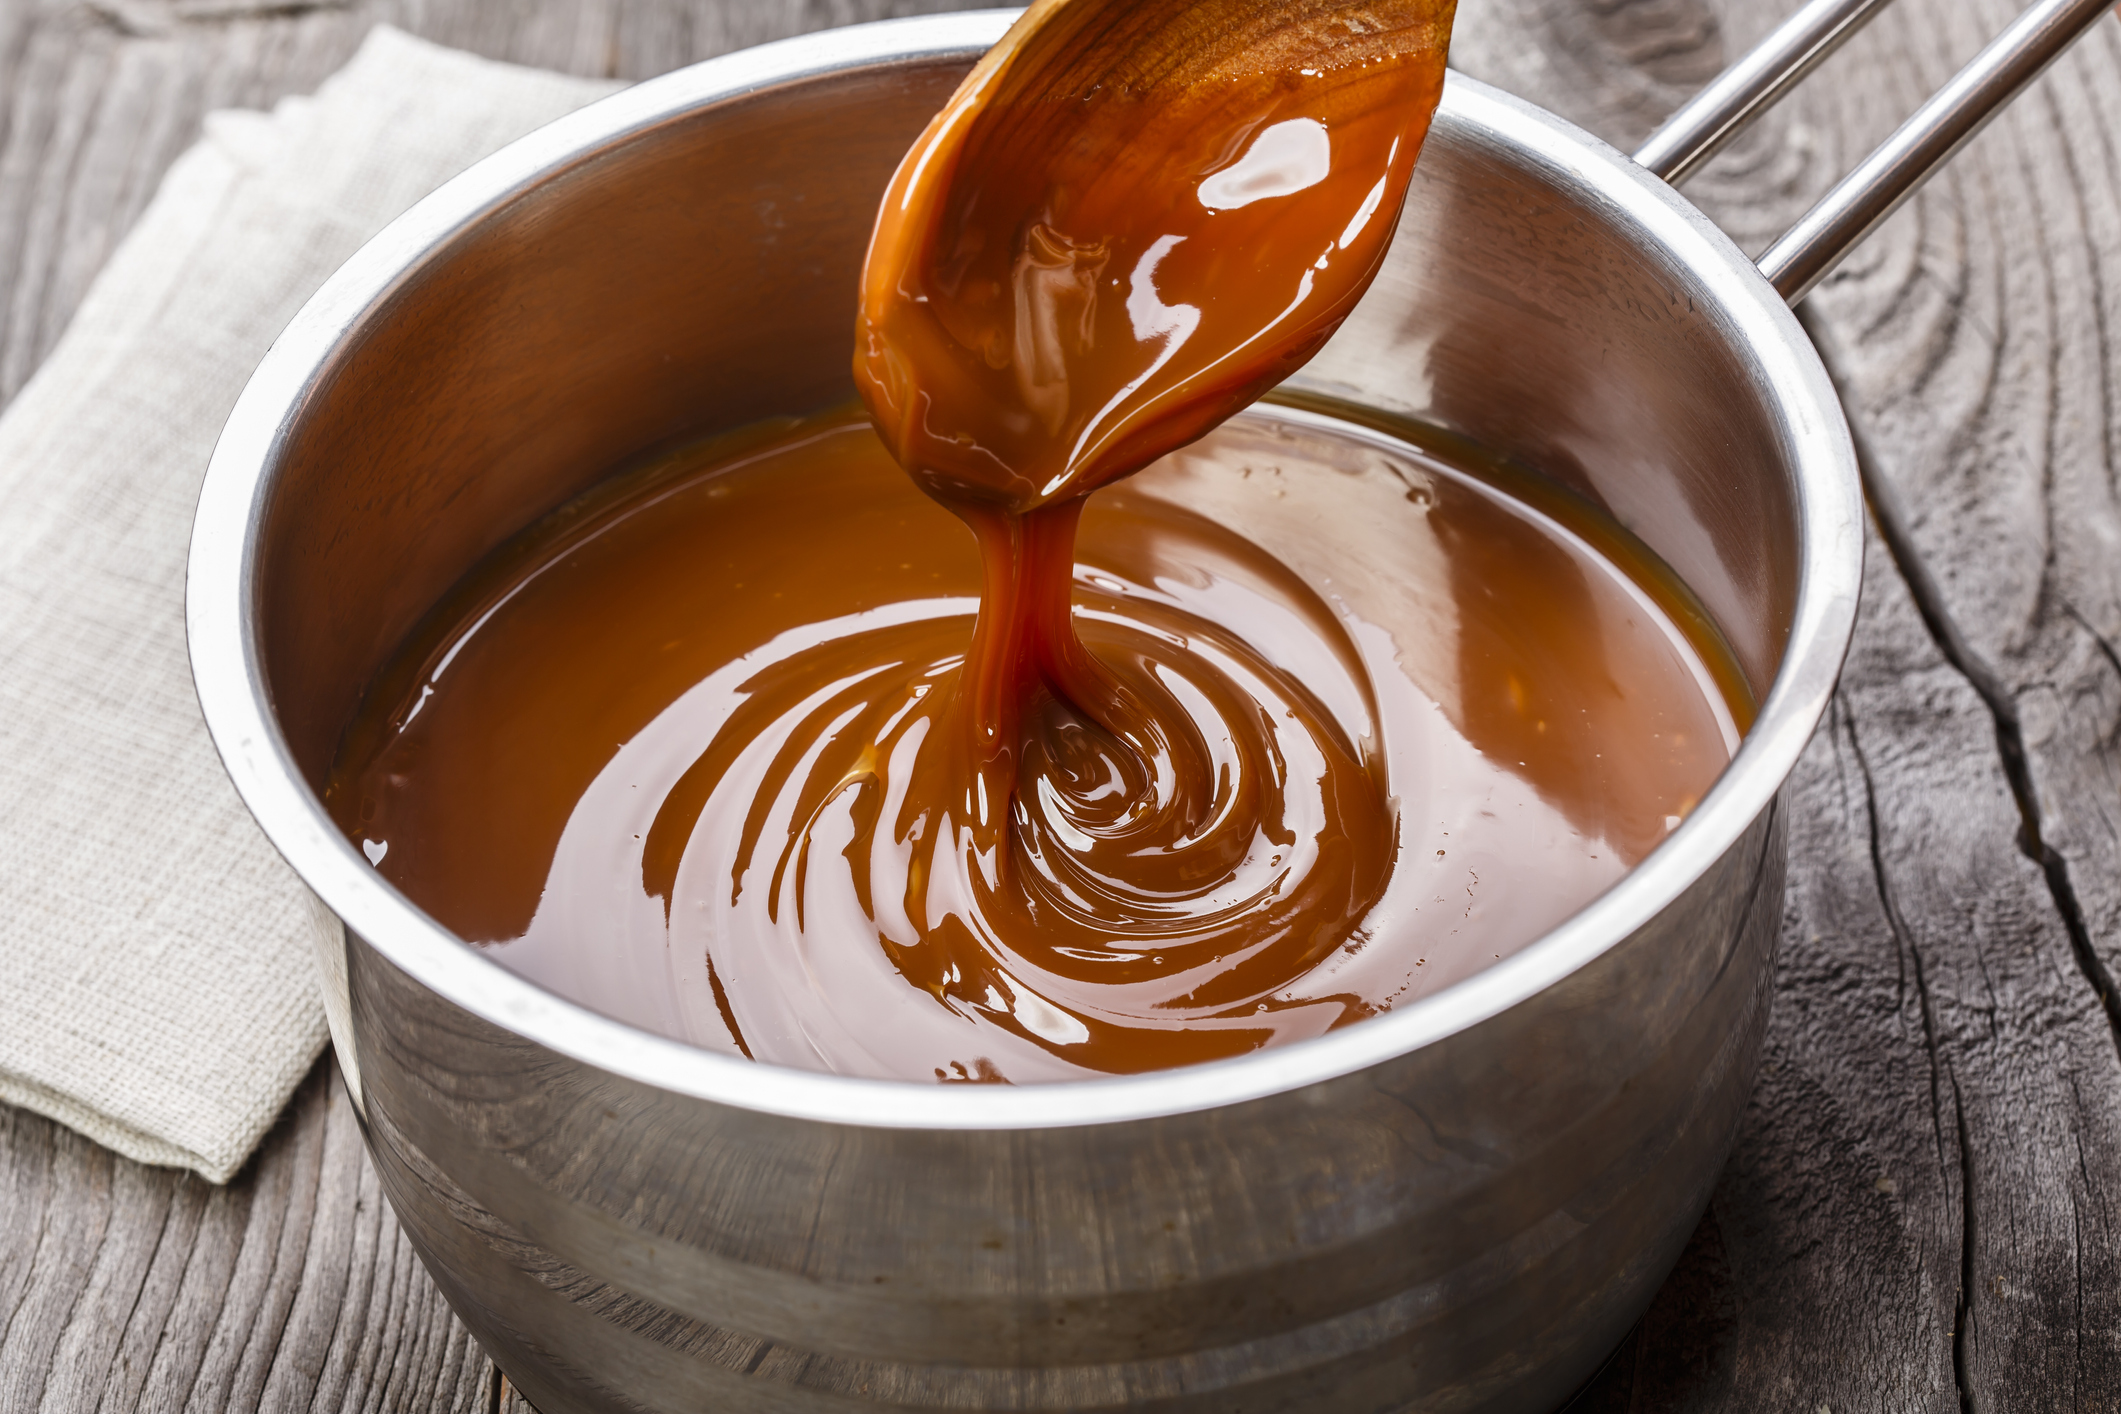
(129, 1288)
(1924, 1208)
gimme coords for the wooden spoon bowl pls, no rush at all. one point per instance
(1129, 221)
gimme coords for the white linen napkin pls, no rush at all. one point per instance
(155, 953)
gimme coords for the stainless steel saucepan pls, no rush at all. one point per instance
(1460, 1205)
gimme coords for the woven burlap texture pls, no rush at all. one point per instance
(156, 975)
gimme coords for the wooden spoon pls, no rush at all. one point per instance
(1130, 220)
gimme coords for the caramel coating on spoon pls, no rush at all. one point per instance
(1129, 222)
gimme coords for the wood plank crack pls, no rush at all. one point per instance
(1883, 496)
(1963, 1321)
(1903, 936)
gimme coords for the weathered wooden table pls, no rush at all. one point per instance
(1924, 1207)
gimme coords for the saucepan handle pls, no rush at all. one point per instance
(1819, 240)
(1712, 117)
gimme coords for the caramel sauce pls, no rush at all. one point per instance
(661, 753)
(761, 749)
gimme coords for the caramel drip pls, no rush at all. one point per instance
(1126, 225)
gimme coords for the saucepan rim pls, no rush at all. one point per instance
(221, 624)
